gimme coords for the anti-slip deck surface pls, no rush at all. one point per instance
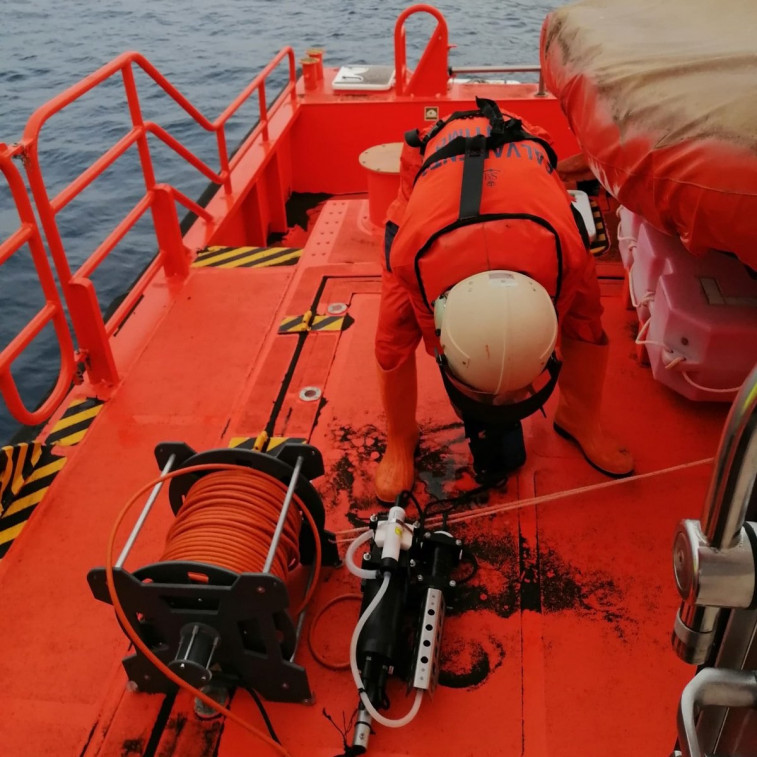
(559, 645)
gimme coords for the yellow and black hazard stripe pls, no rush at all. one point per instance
(246, 257)
(262, 442)
(16, 463)
(293, 324)
(26, 472)
(70, 429)
(601, 241)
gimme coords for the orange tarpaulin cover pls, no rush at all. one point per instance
(662, 98)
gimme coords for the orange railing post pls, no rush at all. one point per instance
(431, 75)
(91, 347)
(52, 312)
(132, 98)
(85, 310)
(167, 229)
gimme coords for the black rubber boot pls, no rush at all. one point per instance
(496, 450)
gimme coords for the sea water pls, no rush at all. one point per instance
(209, 52)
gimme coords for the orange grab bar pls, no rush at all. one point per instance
(91, 332)
(431, 76)
(28, 233)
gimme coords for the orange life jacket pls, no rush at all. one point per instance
(487, 197)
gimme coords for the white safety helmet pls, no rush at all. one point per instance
(497, 330)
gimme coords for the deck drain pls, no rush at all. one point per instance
(310, 393)
(336, 308)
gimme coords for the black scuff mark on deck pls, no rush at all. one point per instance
(89, 737)
(322, 402)
(529, 575)
(205, 736)
(343, 475)
(513, 576)
(211, 737)
(437, 467)
(467, 664)
(132, 747)
(495, 586)
(171, 733)
(350, 477)
(158, 727)
(592, 594)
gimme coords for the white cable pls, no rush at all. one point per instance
(643, 342)
(648, 295)
(349, 559)
(372, 711)
(645, 300)
(677, 361)
(708, 389)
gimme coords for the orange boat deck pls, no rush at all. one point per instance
(560, 642)
(562, 638)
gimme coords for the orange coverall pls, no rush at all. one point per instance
(524, 179)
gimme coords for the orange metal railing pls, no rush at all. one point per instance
(92, 332)
(52, 312)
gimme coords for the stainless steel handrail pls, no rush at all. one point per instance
(514, 69)
(718, 541)
(712, 687)
(714, 563)
(735, 471)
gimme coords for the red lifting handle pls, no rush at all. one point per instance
(432, 73)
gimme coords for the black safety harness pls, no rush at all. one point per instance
(475, 150)
(499, 414)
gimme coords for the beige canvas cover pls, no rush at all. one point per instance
(663, 99)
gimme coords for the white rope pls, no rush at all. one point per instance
(483, 512)
(507, 506)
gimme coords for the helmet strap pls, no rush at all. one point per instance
(499, 414)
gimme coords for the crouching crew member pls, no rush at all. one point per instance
(487, 260)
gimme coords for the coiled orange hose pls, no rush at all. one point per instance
(228, 519)
(134, 636)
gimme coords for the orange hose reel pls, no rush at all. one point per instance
(216, 606)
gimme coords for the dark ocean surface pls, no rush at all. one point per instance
(209, 51)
